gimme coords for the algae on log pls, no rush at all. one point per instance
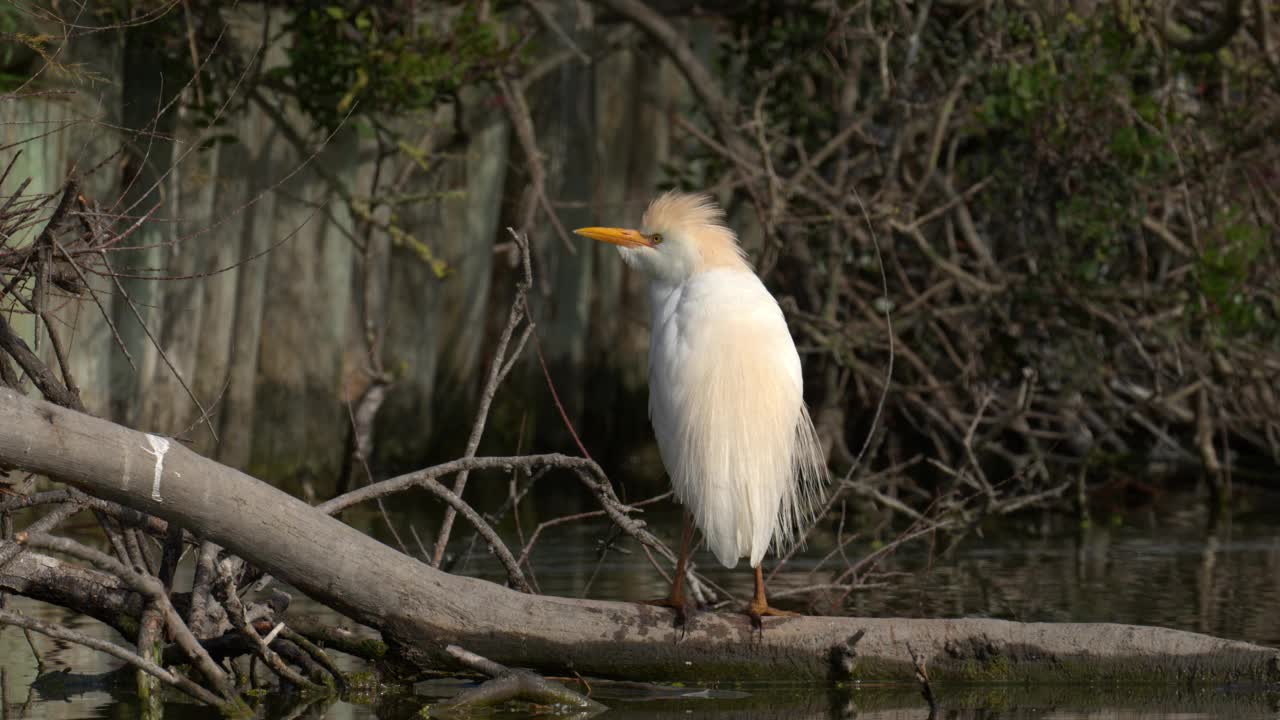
(421, 610)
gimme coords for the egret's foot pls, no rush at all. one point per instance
(759, 611)
(681, 605)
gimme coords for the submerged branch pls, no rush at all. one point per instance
(510, 684)
(59, 632)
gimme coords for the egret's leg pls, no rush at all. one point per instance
(676, 600)
(759, 607)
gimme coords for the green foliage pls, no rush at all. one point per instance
(400, 238)
(1071, 115)
(1223, 274)
(22, 45)
(1089, 128)
(15, 53)
(384, 59)
(1024, 91)
(779, 48)
(772, 52)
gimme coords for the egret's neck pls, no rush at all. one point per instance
(664, 296)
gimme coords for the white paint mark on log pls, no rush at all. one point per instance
(159, 446)
(126, 459)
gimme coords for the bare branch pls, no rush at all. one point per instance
(515, 315)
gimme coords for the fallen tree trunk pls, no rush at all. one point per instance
(421, 610)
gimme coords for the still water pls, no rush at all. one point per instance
(1165, 564)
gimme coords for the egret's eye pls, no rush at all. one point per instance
(656, 239)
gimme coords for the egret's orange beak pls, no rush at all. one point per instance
(616, 236)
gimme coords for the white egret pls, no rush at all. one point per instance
(726, 396)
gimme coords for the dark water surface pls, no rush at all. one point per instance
(1163, 565)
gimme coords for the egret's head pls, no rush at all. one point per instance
(680, 235)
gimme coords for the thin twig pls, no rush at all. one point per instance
(515, 315)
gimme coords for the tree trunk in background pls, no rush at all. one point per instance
(634, 115)
(564, 114)
(181, 321)
(223, 245)
(466, 228)
(252, 237)
(147, 158)
(435, 342)
(605, 135)
(92, 347)
(308, 317)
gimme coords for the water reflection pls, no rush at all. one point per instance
(1170, 567)
(1165, 566)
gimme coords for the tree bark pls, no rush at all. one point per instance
(85, 590)
(421, 610)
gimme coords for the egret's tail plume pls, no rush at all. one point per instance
(806, 492)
